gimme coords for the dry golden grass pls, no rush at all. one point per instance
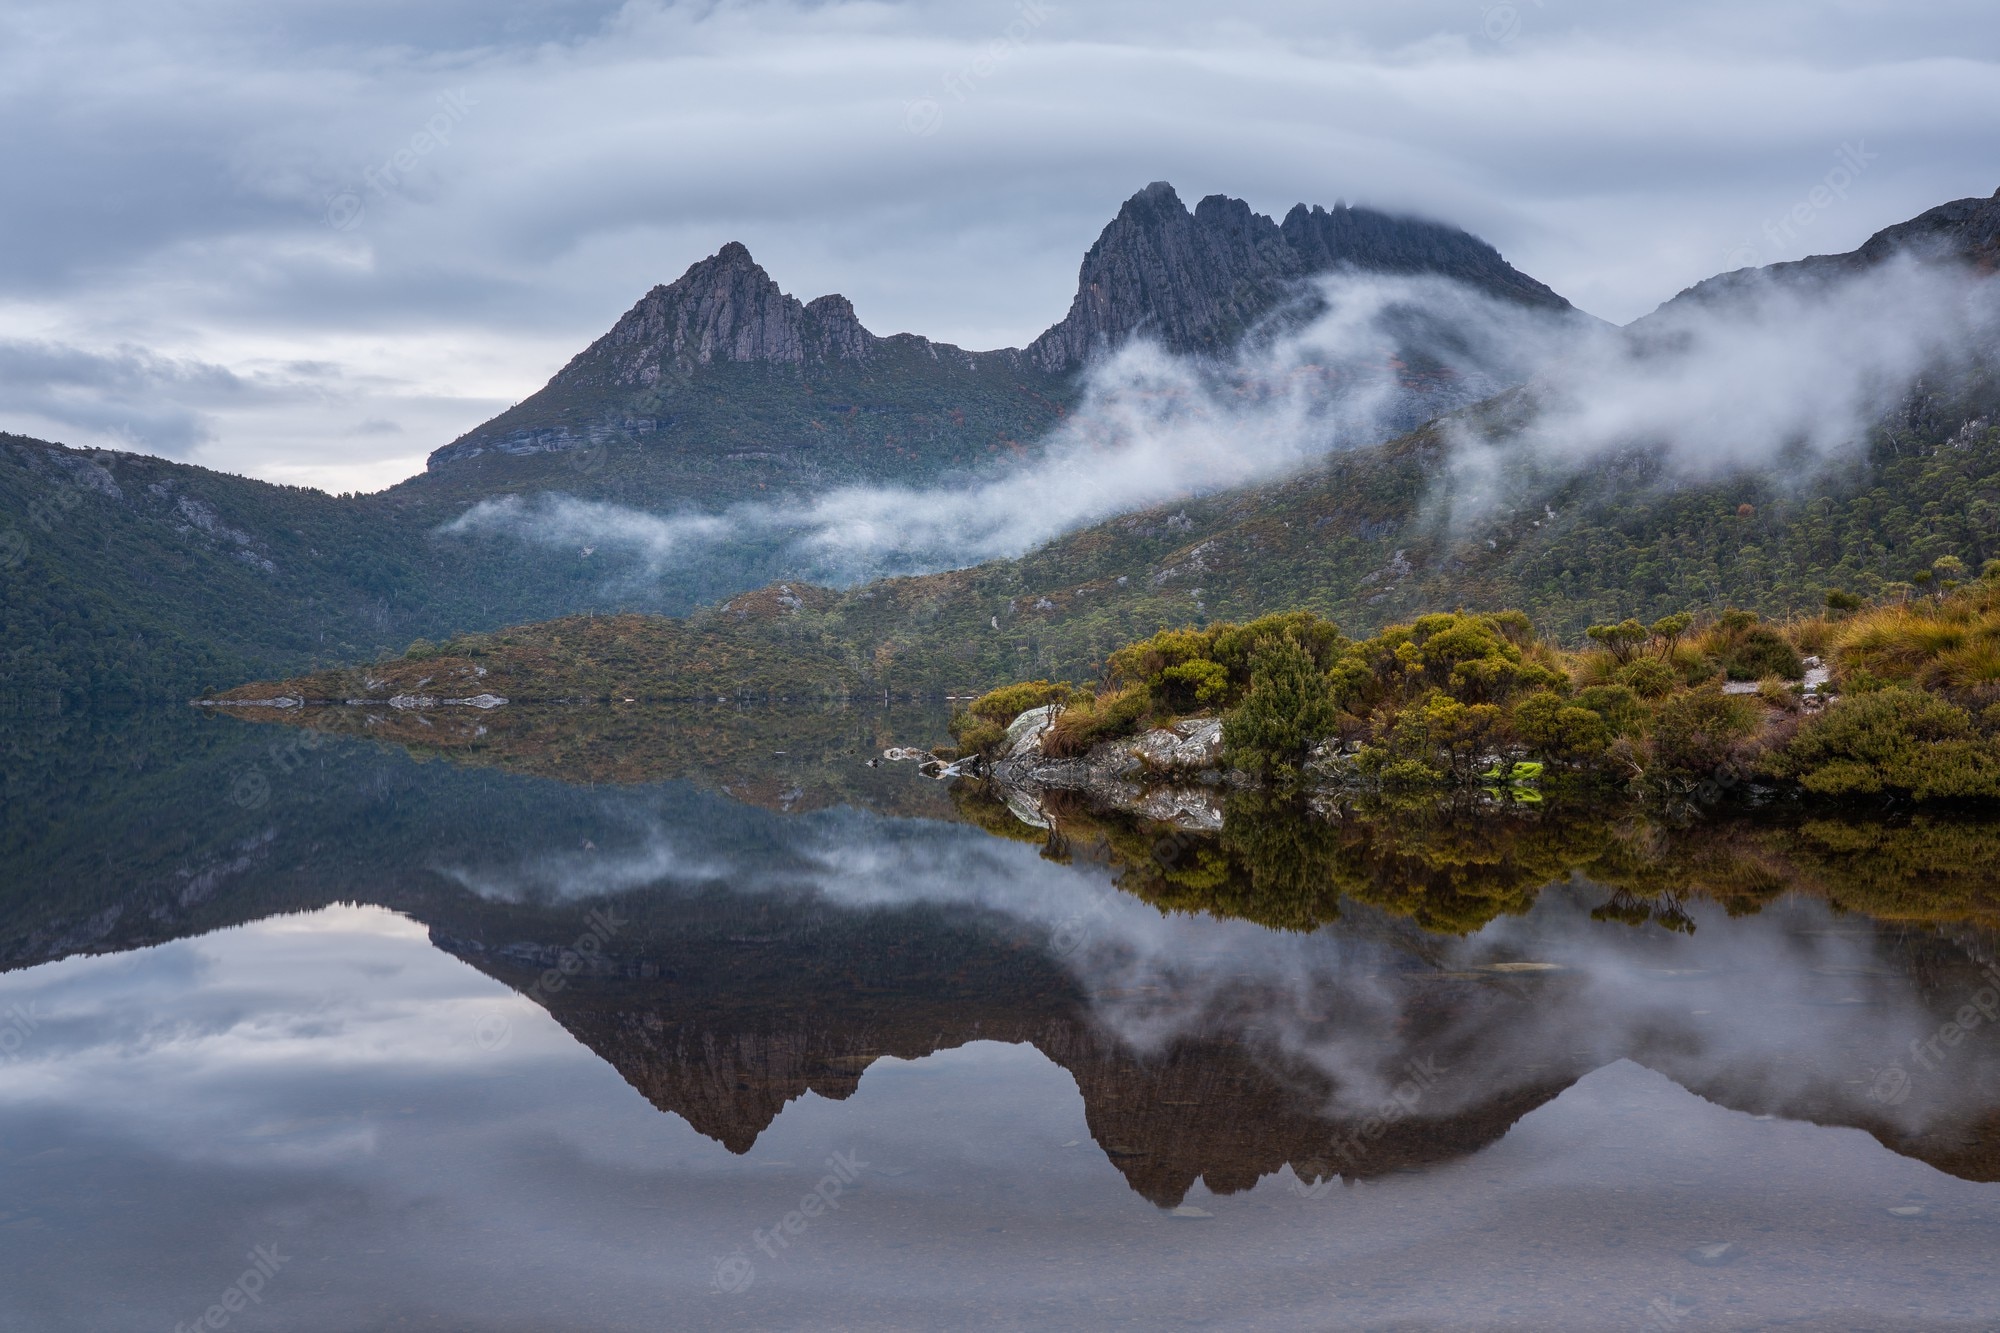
(1950, 644)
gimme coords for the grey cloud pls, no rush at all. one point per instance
(174, 163)
(128, 394)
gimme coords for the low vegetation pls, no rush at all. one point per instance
(1905, 701)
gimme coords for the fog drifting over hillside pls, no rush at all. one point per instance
(1151, 429)
(1758, 372)
(1764, 371)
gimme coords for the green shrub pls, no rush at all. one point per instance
(1618, 705)
(1891, 740)
(1093, 719)
(1622, 640)
(1696, 733)
(1443, 734)
(1759, 652)
(1473, 658)
(1558, 729)
(983, 724)
(1649, 678)
(1290, 707)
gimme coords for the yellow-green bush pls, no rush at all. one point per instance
(983, 724)
(1895, 740)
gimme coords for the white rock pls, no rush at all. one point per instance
(1024, 733)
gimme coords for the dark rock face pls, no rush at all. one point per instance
(725, 308)
(1966, 230)
(1963, 232)
(1198, 281)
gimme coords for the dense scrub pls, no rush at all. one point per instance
(1907, 703)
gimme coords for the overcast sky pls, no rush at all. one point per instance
(210, 250)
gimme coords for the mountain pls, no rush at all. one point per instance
(1363, 539)
(1197, 282)
(124, 577)
(720, 386)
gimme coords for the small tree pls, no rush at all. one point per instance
(1621, 640)
(1668, 630)
(1290, 707)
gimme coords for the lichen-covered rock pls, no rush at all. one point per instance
(1025, 733)
(1188, 747)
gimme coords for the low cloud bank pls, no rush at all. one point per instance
(1382, 355)
(1757, 372)
(1767, 372)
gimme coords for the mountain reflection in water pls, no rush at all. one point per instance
(384, 1014)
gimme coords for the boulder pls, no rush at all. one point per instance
(1024, 733)
(1190, 746)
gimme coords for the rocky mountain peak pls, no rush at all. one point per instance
(1197, 281)
(724, 308)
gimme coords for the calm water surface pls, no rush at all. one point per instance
(335, 1037)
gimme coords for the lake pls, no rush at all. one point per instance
(694, 1018)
